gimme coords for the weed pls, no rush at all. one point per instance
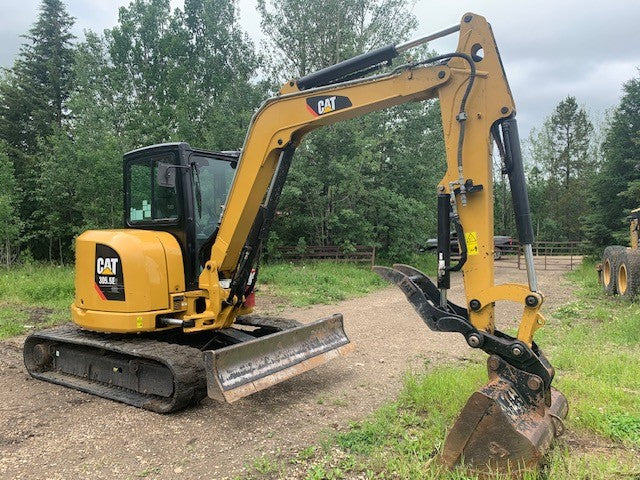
(266, 465)
(306, 453)
(153, 470)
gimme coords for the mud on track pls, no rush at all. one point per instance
(51, 432)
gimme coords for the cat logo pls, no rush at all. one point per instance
(326, 104)
(107, 266)
(109, 280)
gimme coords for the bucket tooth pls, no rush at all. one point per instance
(506, 426)
(248, 367)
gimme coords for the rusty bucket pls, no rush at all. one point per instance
(508, 425)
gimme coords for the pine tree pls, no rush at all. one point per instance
(35, 92)
(563, 151)
(33, 105)
(569, 130)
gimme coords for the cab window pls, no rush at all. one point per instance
(148, 201)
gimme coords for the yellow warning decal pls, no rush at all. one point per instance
(139, 323)
(472, 243)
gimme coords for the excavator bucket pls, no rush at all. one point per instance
(508, 424)
(239, 370)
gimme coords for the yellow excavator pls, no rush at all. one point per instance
(162, 308)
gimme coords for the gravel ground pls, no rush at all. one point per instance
(51, 432)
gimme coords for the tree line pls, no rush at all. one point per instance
(69, 109)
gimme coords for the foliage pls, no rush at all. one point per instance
(9, 220)
(302, 40)
(563, 164)
(361, 181)
(34, 98)
(616, 188)
(68, 113)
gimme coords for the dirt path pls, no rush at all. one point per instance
(51, 432)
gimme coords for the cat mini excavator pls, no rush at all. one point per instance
(164, 306)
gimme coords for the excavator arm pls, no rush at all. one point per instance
(476, 105)
(518, 411)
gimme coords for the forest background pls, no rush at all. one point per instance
(70, 108)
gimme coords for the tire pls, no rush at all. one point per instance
(628, 274)
(497, 253)
(610, 260)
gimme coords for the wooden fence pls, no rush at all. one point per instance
(358, 254)
(546, 256)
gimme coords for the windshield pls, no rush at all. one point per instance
(211, 183)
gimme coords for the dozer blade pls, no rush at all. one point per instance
(248, 367)
(506, 426)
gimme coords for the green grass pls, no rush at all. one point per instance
(593, 343)
(34, 295)
(39, 295)
(594, 346)
(310, 283)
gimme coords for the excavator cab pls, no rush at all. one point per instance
(181, 190)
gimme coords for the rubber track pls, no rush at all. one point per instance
(184, 362)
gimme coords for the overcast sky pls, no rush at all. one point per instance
(550, 48)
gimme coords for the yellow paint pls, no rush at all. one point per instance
(149, 260)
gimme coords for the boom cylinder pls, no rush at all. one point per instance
(444, 242)
(519, 197)
(347, 67)
(363, 62)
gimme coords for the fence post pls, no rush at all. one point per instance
(571, 260)
(519, 246)
(545, 258)
(373, 257)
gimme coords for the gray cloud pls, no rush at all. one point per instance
(550, 49)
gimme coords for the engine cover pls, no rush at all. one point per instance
(125, 278)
